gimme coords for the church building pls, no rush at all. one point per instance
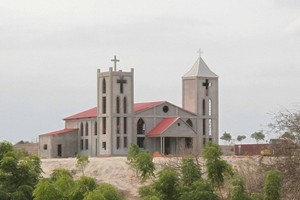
(110, 128)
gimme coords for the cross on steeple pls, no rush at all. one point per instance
(206, 84)
(121, 81)
(115, 60)
(199, 52)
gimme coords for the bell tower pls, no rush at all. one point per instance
(115, 110)
(200, 96)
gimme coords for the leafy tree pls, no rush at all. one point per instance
(217, 168)
(95, 195)
(132, 155)
(288, 135)
(144, 165)
(18, 173)
(200, 189)
(238, 190)
(190, 171)
(272, 185)
(240, 138)
(82, 187)
(257, 196)
(258, 136)
(226, 137)
(109, 192)
(82, 162)
(46, 190)
(167, 184)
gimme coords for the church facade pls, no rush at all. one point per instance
(110, 128)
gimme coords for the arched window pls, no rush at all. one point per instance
(118, 104)
(210, 127)
(125, 105)
(86, 129)
(95, 128)
(140, 127)
(209, 107)
(189, 122)
(103, 86)
(81, 129)
(203, 107)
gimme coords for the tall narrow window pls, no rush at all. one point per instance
(118, 125)
(203, 106)
(103, 86)
(204, 127)
(209, 107)
(104, 125)
(125, 142)
(86, 144)
(210, 127)
(125, 125)
(86, 129)
(118, 104)
(95, 128)
(81, 129)
(81, 144)
(140, 127)
(125, 105)
(103, 105)
(189, 122)
(104, 145)
(118, 142)
(140, 142)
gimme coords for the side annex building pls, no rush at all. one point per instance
(116, 122)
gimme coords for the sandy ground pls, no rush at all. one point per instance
(115, 171)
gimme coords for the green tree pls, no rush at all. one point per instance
(240, 138)
(272, 185)
(199, 190)
(82, 162)
(132, 155)
(45, 190)
(217, 168)
(258, 136)
(109, 192)
(82, 187)
(144, 165)
(238, 189)
(190, 171)
(226, 137)
(167, 184)
(288, 135)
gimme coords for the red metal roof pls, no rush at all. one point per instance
(93, 111)
(85, 114)
(59, 132)
(162, 126)
(142, 106)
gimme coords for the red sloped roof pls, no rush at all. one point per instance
(93, 111)
(85, 114)
(162, 126)
(142, 106)
(59, 132)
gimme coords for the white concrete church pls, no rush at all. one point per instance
(110, 128)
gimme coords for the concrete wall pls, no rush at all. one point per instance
(30, 148)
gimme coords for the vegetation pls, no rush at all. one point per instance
(240, 138)
(82, 162)
(141, 162)
(258, 136)
(226, 137)
(272, 185)
(18, 173)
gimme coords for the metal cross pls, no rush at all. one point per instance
(115, 60)
(199, 52)
(121, 81)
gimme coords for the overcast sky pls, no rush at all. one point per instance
(50, 52)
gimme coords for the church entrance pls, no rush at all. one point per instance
(59, 150)
(167, 146)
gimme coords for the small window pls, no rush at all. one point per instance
(81, 129)
(104, 145)
(210, 139)
(178, 124)
(204, 127)
(125, 142)
(209, 107)
(45, 147)
(81, 144)
(95, 128)
(118, 142)
(118, 125)
(125, 125)
(141, 127)
(118, 105)
(203, 107)
(103, 105)
(86, 144)
(104, 125)
(125, 105)
(103, 86)
(188, 143)
(209, 127)
(86, 129)
(165, 109)
(189, 122)
(140, 142)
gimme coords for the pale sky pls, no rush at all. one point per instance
(50, 52)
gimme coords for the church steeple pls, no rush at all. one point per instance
(200, 69)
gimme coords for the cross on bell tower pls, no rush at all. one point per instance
(115, 60)
(206, 84)
(121, 81)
